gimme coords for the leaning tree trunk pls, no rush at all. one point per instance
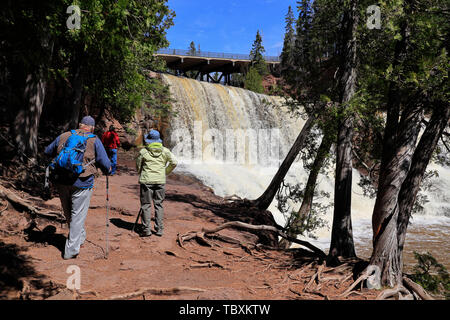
(399, 142)
(305, 208)
(421, 158)
(342, 234)
(266, 198)
(386, 211)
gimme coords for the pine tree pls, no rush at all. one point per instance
(192, 50)
(253, 80)
(302, 46)
(287, 55)
(256, 56)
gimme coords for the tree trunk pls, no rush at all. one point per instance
(266, 198)
(385, 214)
(26, 123)
(398, 147)
(76, 97)
(342, 233)
(305, 208)
(421, 158)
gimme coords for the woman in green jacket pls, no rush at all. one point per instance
(154, 163)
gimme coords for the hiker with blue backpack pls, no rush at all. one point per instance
(78, 154)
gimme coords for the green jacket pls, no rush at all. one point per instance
(152, 163)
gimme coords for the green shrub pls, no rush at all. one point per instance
(431, 275)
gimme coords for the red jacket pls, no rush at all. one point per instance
(110, 140)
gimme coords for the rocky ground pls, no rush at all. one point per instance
(157, 267)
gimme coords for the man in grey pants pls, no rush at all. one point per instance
(154, 163)
(75, 192)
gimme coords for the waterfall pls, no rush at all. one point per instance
(234, 140)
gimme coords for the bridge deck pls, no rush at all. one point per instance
(207, 62)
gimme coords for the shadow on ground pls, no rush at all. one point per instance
(18, 277)
(47, 236)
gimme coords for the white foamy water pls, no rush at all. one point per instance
(212, 118)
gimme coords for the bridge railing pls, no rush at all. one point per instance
(207, 54)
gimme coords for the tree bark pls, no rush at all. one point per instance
(266, 198)
(26, 123)
(76, 97)
(410, 187)
(342, 233)
(385, 214)
(305, 208)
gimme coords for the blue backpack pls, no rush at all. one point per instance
(71, 156)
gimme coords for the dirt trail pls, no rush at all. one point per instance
(32, 267)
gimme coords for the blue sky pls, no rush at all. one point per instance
(229, 26)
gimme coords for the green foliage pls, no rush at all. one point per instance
(112, 51)
(426, 185)
(287, 54)
(253, 81)
(287, 197)
(431, 275)
(256, 56)
(237, 80)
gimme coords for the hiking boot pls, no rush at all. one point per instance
(70, 257)
(159, 233)
(145, 235)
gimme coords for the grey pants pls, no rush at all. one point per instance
(75, 204)
(155, 193)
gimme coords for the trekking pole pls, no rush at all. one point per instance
(107, 215)
(137, 219)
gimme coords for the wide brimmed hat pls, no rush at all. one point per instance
(152, 136)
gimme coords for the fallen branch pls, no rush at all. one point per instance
(247, 226)
(155, 291)
(417, 288)
(8, 195)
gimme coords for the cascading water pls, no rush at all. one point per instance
(234, 140)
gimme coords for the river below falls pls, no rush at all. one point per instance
(422, 236)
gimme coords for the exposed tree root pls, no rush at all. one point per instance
(417, 288)
(15, 200)
(200, 235)
(207, 264)
(233, 198)
(314, 277)
(155, 291)
(363, 277)
(404, 291)
(395, 292)
(4, 209)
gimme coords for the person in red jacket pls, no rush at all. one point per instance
(111, 141)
